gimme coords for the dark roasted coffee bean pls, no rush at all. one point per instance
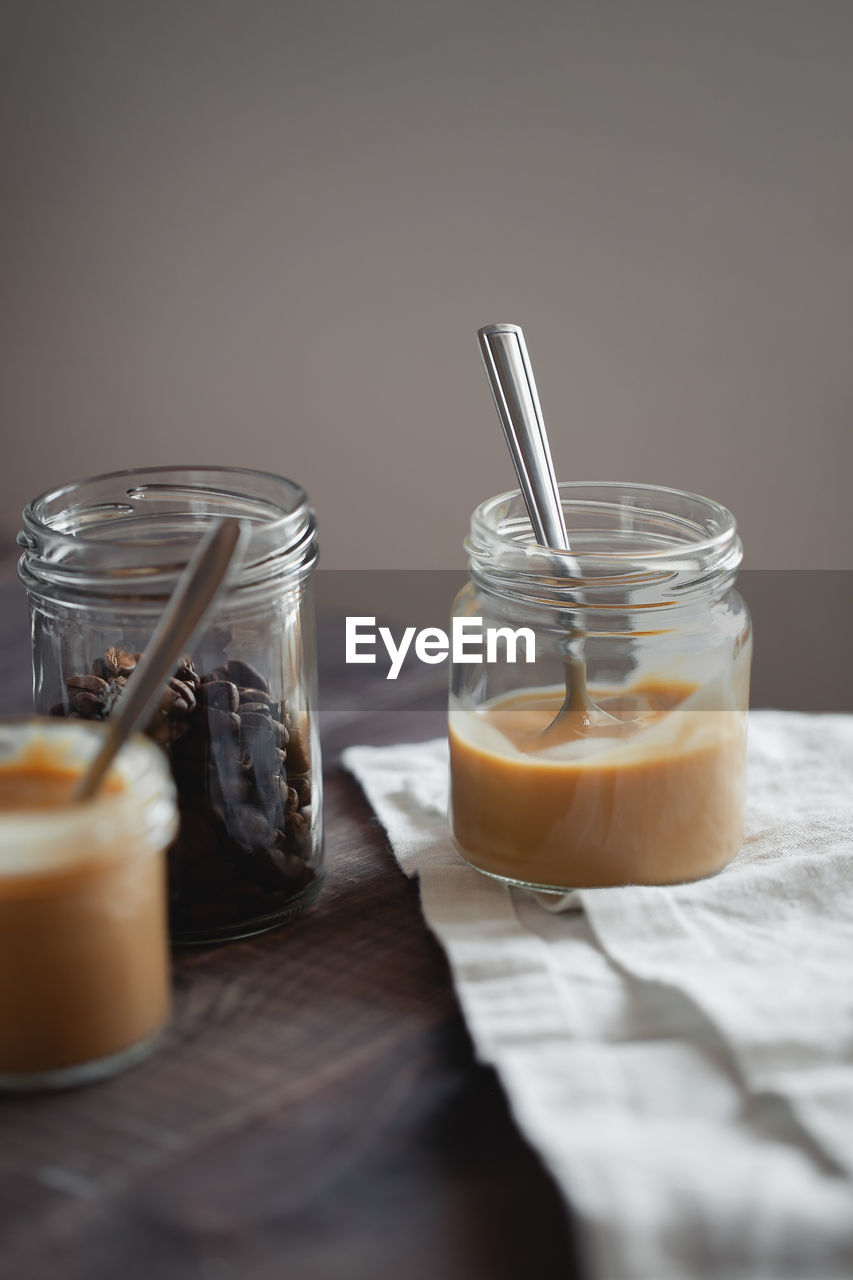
(254, 828)
(186, 671)
(247, 791)
(164, 730)
(58, 709)
(89, 695)
(217, 674)
(221, 694)
(296, 829)
(244, 674)
(281, 760)
(301, 783)
(256, 708)
(221, 723)
(279, 732)
(289, 796)
(289, 867)
(246, 763)
(254, 696)
(177, 698)
(119, 662)
(256, 721)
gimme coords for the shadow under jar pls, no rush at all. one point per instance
(100, 559)
(652, 793)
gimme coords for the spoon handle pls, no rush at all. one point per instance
(190, 601)
(510, 375)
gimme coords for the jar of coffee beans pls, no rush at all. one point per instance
(237, 720)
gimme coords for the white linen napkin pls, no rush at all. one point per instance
(681, 1057)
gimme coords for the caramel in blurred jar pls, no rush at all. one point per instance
(84, 968)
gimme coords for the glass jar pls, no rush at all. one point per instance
(100, 559)
(646, 785)
(84, 962)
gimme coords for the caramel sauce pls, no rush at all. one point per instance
(83, 955)
(655, 799)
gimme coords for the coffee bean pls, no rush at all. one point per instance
(255, 708)
(244, 839)
(289, 796)
(301, 783)
(216, 675)
(187, 672)
(221, 723)
(244, 674)
(89, 695)
(256, 722)
(221, 694)
(255, 696)
(119, 662)
(161, 730)
(177, 698)
(296, 829)
(290, 868)
(254, 828)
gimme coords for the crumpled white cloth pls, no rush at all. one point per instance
(681, 1057)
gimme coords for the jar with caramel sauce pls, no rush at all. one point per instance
(644, 604)
(84, 961)
(237, 722)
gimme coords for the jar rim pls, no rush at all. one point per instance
(32, 508)
(625, 537)
(66, 534)
(487, 518)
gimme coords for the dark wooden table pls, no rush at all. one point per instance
(316, 1111)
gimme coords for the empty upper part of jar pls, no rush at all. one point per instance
(130, 533)
(630, 543)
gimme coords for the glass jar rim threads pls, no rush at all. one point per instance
(657, 545)
(130, 533)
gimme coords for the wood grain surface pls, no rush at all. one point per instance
(315, 1111)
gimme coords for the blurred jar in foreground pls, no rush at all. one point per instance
(84, 965)
(645, 600)
(100, 559)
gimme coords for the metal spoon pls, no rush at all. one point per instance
(190, 601)
(510, 376)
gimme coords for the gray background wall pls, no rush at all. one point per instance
(265, 234)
